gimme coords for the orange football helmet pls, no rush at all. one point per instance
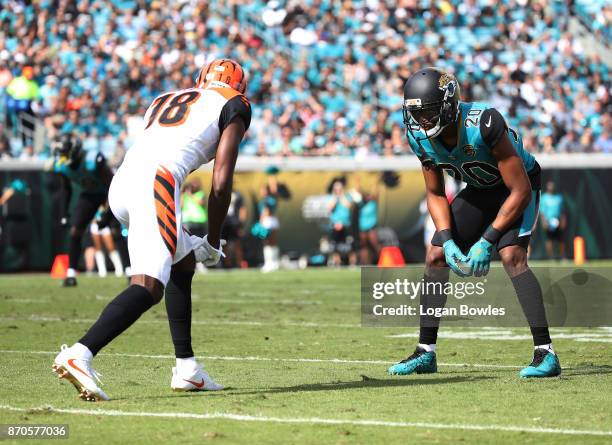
(223, 72)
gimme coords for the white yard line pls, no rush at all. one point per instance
(313, 421)
(603, 334)
(267, 359)
(501, 336)
(281, 323)
(27, 300)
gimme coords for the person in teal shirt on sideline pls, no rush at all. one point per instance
(266, 228)
(554, 219)
(340, 206)
(368, 221)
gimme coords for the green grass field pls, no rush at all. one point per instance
(298, 368)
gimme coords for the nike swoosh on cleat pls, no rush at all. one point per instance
(197, 385)
(72, 365)
(488, 124)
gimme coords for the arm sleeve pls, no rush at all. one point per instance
(492, 127)
(236, 106)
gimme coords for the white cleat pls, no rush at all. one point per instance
(77, 369)
(199, 380)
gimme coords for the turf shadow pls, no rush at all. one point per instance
(587, 369)
(365, 382)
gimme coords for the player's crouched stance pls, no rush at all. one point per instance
(498, 208)
(183, 130)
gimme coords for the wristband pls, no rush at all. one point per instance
(492, 235)
(445, 235)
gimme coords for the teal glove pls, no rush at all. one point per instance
(480, 257)
(453, 254)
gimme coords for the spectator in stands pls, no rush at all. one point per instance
(554, 219)
(586, 140)
(22, 92)
(604, 141)
(5, 79)
(5, 147)
(323, 61)
(569, 142)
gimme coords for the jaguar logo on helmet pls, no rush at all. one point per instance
(448, 84)
(445, 79)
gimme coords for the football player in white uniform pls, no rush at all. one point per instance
(182, 130)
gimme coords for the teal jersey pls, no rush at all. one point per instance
(368, 216)
(341, 214)
(86, 172)
(471, 161)
(551, 208)
(269, 202)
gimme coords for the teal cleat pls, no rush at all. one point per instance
(544, 364)
(421, 362)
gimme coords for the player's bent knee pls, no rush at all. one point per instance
(435, 257)
(514, 259)
(153, 285)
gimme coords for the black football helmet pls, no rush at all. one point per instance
(431, 101)
(66, 147)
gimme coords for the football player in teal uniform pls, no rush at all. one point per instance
(92, 174)
(497, 209)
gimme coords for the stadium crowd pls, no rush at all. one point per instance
(325, 77)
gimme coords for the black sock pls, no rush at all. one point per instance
(432, 296)
(74, 251)
(178, 307)
(529, 294)
(119, 315)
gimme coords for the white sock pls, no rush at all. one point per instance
(71, 273)
(82, 350)
(117, 264)
(428, 348)
(267, 253)
(186, 365)
(548, 347)
(275, 256)
(100, 263)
